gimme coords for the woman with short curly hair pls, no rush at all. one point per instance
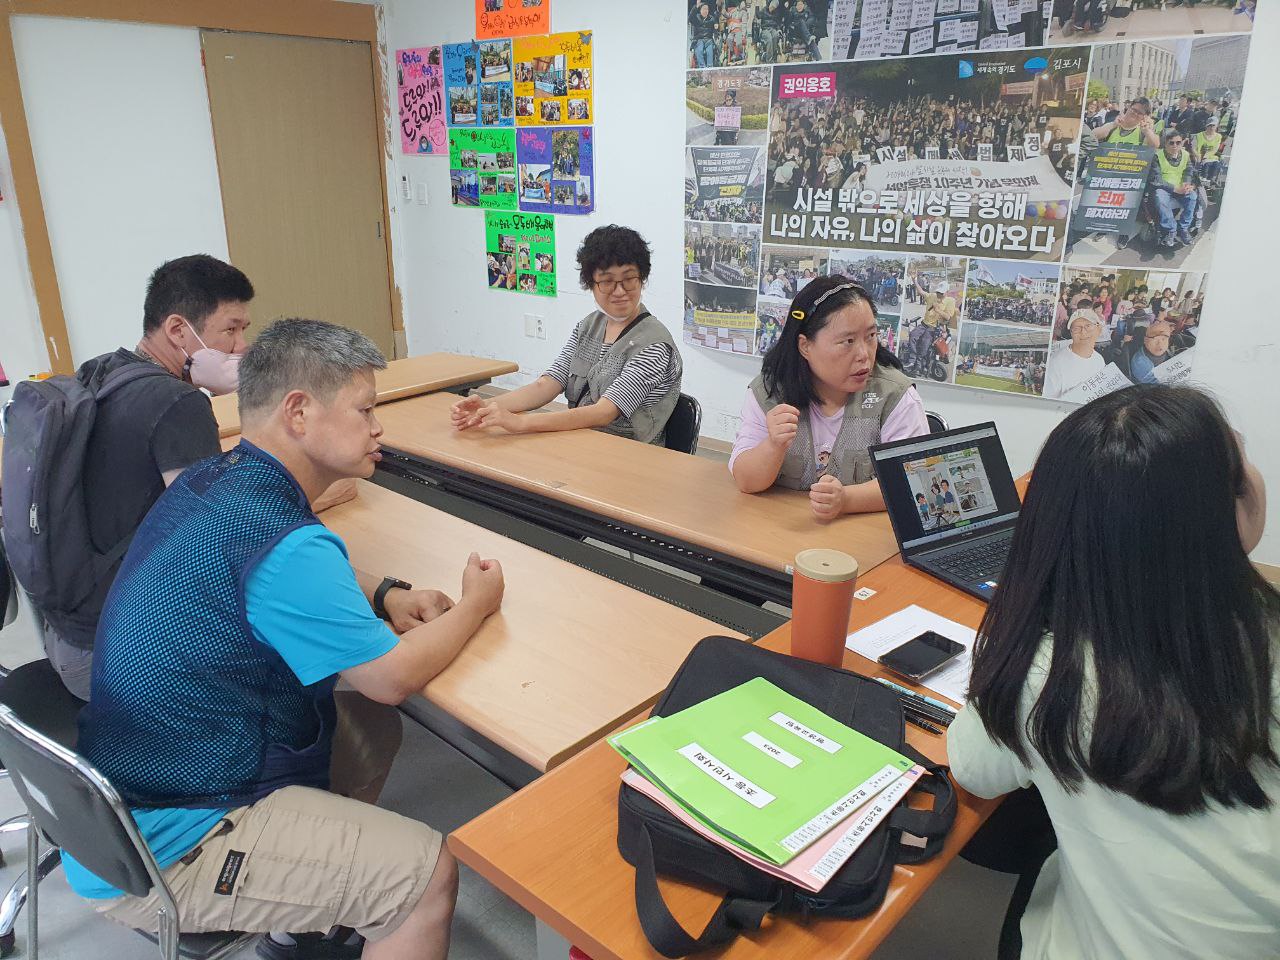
(620, 371)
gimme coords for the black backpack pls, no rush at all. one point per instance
(46, 522)
(653, 841)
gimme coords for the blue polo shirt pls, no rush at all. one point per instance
(303, 600)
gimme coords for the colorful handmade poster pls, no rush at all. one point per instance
(420, 93)
(482, 168)
(477, 78)
(520, 250)
(555, 167)
(553, 80)
(512, 18)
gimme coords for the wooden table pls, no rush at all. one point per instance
(689, 500)
(552, 847)
(408, 377)
(569, 657)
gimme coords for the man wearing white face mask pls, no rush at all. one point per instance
(150, 430)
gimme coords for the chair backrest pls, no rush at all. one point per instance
(683, 425)
(75, 806)
(936, 423)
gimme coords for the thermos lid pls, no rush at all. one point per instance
(829, 566)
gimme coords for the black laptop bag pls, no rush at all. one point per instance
(655, 842)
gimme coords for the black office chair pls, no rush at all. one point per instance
(683, 425)
(936, 423)
(78, 810)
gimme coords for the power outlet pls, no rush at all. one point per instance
(535, 326)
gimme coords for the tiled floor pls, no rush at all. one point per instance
(958, 919)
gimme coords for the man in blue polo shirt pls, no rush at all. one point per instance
(213, 713)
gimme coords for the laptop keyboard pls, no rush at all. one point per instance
(982, 561)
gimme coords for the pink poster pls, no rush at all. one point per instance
(420, 85)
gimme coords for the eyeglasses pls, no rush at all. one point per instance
(629, 284)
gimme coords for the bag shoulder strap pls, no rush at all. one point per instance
(733, 917)
(123, 376)
(931, 825)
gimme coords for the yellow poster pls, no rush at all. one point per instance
(553, 80)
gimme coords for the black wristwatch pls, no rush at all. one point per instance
(388, 583)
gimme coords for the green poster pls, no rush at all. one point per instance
(521, 251)
(482, 168)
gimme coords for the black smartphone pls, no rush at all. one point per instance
(922, 655)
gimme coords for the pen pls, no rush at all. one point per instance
(923, 724)
(926, 713)
(946, 708)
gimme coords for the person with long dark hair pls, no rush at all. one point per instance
(1127, 669)
(826, 392)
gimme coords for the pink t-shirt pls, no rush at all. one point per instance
(906, 420)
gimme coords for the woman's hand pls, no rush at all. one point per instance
(826, 497)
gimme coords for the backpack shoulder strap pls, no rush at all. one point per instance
(126, 375)
(734, 916)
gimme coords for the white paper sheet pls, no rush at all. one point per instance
(894, 630)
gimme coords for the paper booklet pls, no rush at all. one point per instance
(814, 866)
(765, 770)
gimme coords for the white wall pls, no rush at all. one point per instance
(21, 351)
(639, 70)
(123, 141)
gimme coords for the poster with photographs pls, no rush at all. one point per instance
(735, 33)
(1117, 327)
(520, 252)
(477, 78)
(420, 94)
(512, 18)
(929, 155)
(553, 80)
(482, 168)
(727, 107)
(556, 170)
(1029, 190)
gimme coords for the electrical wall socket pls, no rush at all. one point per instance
(535, 326)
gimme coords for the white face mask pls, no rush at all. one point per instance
(215, 370)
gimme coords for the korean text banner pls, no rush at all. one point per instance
(553, 79)
(420, 88)
(520, 250)
(477, 78)
(1029, 190)
(512, 18)
(556, 169)
(482, 168)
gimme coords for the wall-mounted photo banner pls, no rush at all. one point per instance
(556, 170)
(482, 168)
(520, 251)
(477, 78)
(512, 18)
(421, 99)
(553, 80)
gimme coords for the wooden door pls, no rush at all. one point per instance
(299, 156)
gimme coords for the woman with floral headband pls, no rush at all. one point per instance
(827, 391)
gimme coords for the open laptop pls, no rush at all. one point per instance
(953, 504)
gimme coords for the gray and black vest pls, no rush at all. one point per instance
(864, 415)
(591, 372)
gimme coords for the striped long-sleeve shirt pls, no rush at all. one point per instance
(645, 379)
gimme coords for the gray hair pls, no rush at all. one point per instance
(295, 354)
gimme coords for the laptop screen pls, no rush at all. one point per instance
(946, 485)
